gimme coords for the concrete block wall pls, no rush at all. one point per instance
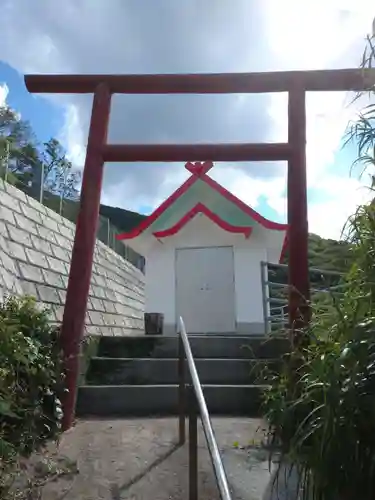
(35, 251)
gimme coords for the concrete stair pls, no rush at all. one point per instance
(164, 371)
(138, 376)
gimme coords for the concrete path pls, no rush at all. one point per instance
(137, 459)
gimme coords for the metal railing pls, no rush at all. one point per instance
(191, 398)
(276, 308)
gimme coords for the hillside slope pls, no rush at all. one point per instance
(124, 220)
(325, 254)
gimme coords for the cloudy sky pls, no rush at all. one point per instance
(182, 36)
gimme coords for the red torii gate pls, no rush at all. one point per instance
(296, 83)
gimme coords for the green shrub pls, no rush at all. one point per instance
(31, 379)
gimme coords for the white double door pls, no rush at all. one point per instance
(205, 291)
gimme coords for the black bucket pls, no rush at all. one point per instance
(154, 323)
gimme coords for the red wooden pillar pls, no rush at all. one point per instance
(299, 292)
(83, 248)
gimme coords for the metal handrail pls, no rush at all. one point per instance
(197, 404)
(311, 269)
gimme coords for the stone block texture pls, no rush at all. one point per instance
(35, 251)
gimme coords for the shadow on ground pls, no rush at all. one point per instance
(118, 491)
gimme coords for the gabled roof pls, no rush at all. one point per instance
(199, 172)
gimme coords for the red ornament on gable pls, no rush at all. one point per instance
(199, 168)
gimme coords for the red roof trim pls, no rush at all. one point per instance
(200, 208)
(160, 210)
(182, 189)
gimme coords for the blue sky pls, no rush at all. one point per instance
(45, 118)
(194, 36)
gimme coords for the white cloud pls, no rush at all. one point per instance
(315, 35)
(250, 189)
(4, 91)
(72, 136)
(328, 218)
(192, 36)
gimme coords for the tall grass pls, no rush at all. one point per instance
(322, 416)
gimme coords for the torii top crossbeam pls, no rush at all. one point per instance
(209, 83)
(279, 81)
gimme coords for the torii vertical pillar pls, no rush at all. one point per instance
(83, 248)
(299, 286)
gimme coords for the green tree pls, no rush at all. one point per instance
(362, 130)
(14, 129)
(59, 175)
(30, 165)
(18, 148)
